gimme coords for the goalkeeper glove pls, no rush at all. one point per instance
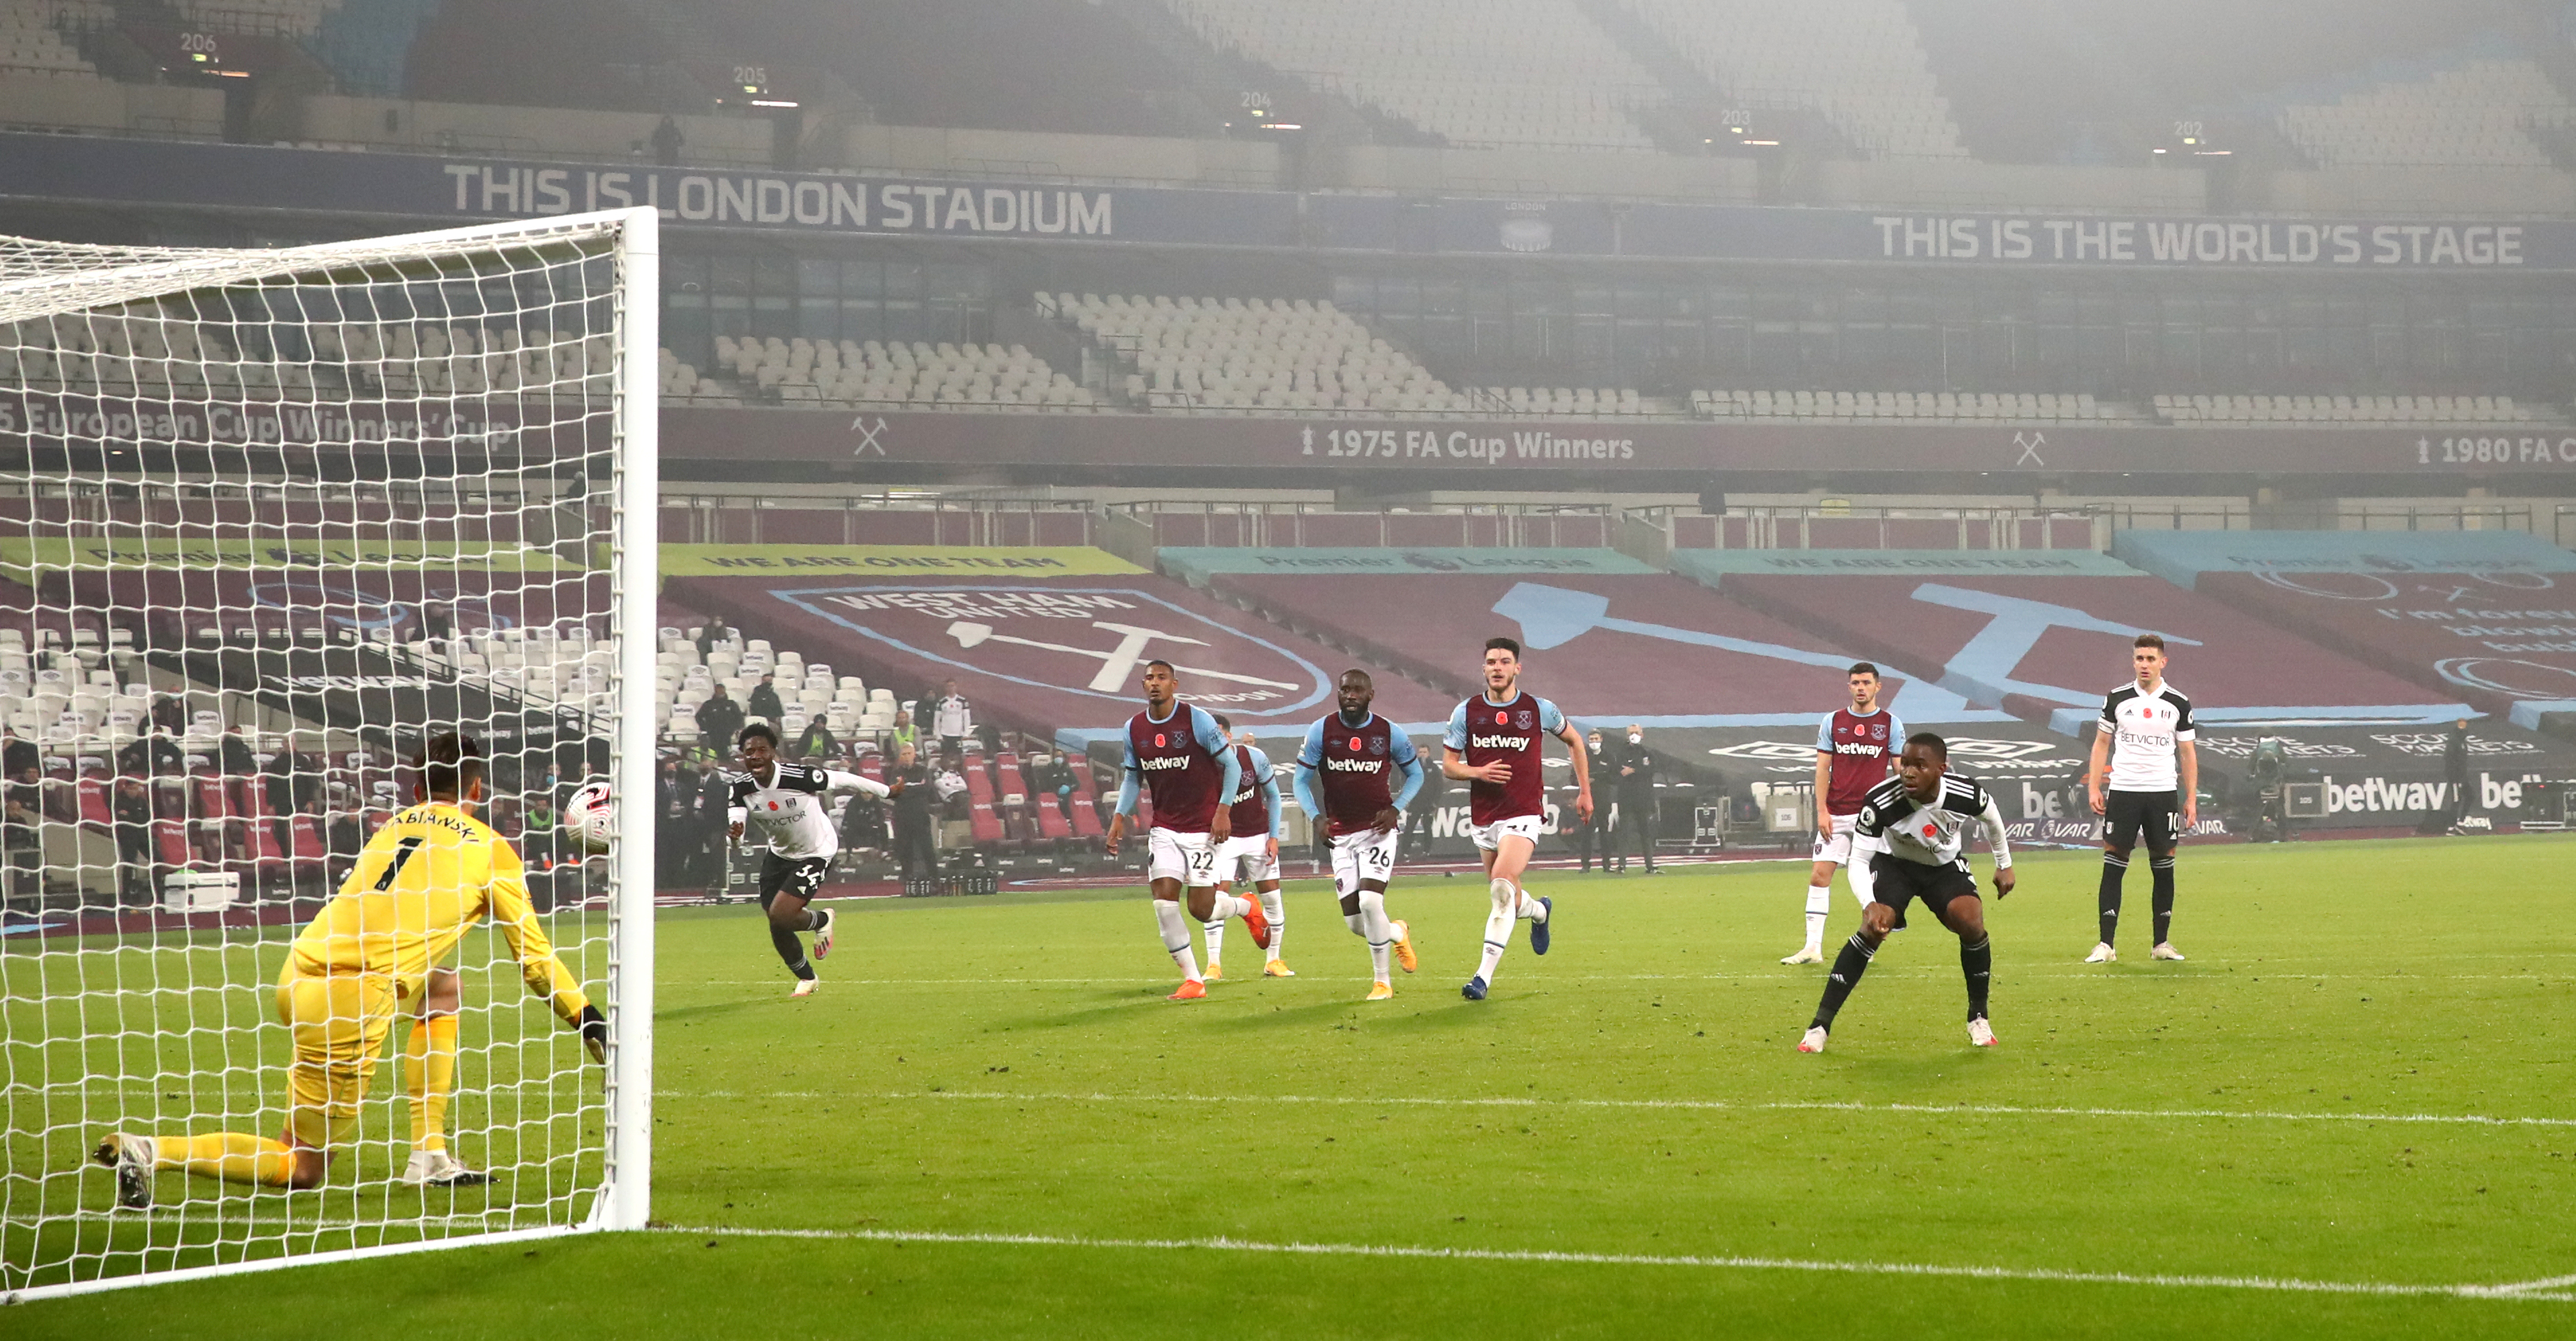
(594, 1033)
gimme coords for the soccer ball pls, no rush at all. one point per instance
(591, 816)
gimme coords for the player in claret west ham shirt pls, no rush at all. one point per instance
(1493, 744)
(1252, 854)
(2145, 743)
(1354, 757)
(1176, 750)
(1855, 747)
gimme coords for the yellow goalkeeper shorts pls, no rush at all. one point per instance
(340, 1022)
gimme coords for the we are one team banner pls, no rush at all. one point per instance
(469, 187)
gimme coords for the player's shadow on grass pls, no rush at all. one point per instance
(712, 1009)
(1107, 1005)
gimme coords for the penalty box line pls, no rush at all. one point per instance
(1707, 1105)
(2538, 1291)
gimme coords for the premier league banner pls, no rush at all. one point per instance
(2489, 616)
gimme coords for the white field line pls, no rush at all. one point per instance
(2537, 1287)
(2534, 1291)
(1877, 973)
(1712, 1105)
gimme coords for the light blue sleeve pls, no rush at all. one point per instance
(1203, 728)
(1825, 734)
(1269, 786)
(1411, 764)
(1457, 737)
(1129, 777)
(1304, 782)
(1549, 719)
(1311, 754)
(1895, 733)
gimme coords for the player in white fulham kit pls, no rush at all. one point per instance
(786, 803)
(1343, 784)
(1493, 744)
(1252, 853)
(1909, 842)
(2154, 789)
(1855, 747)
(1175, 749)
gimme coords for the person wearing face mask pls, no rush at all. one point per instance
(1636, 790)
(1587, 833)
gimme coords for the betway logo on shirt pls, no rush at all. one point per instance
(1352, 765)
(1165, 761)
(1855, 747)
(1499, 742)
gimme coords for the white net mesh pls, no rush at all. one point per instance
(272, 519)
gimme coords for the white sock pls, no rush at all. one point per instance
(1215, 929)
(1275, 908)
(1498, 926)
(1371, 922)
(1175, 926)
(1228, 905)
(1531, 908)
(1820, 902)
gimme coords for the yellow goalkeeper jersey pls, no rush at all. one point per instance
(429, 874)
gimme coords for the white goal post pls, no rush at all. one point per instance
(269, 521)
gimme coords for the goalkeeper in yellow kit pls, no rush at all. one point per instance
(429, 874)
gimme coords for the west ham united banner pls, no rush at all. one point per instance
(471, 187)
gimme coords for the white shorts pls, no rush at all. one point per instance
(1489, 837)
(1249, 858)
(1187, 857)
(1837, 849)
(1366, 855)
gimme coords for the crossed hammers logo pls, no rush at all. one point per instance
(868, 432)
(2030, 443)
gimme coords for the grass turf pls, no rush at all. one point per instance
(1008, 1067)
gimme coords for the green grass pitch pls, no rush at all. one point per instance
(2360, 1080)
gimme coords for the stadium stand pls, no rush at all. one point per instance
(1065, 66)
(1858, 62)
(2046, 648)
(1481, 73)
(2342, 411)
(879, 373)
(32, 41)
(292, 18)
(1023, 650)
(547, 53)
(2484, 615)
(1909, 407)
(1614, 641)
(2473, 114)
(1237, 354)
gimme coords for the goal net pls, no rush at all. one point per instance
(274, 518)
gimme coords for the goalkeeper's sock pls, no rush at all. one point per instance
(234, 1157)
(429, 1077)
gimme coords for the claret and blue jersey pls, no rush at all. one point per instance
(1511, 732)
(1188, 763)
(1358, 763)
